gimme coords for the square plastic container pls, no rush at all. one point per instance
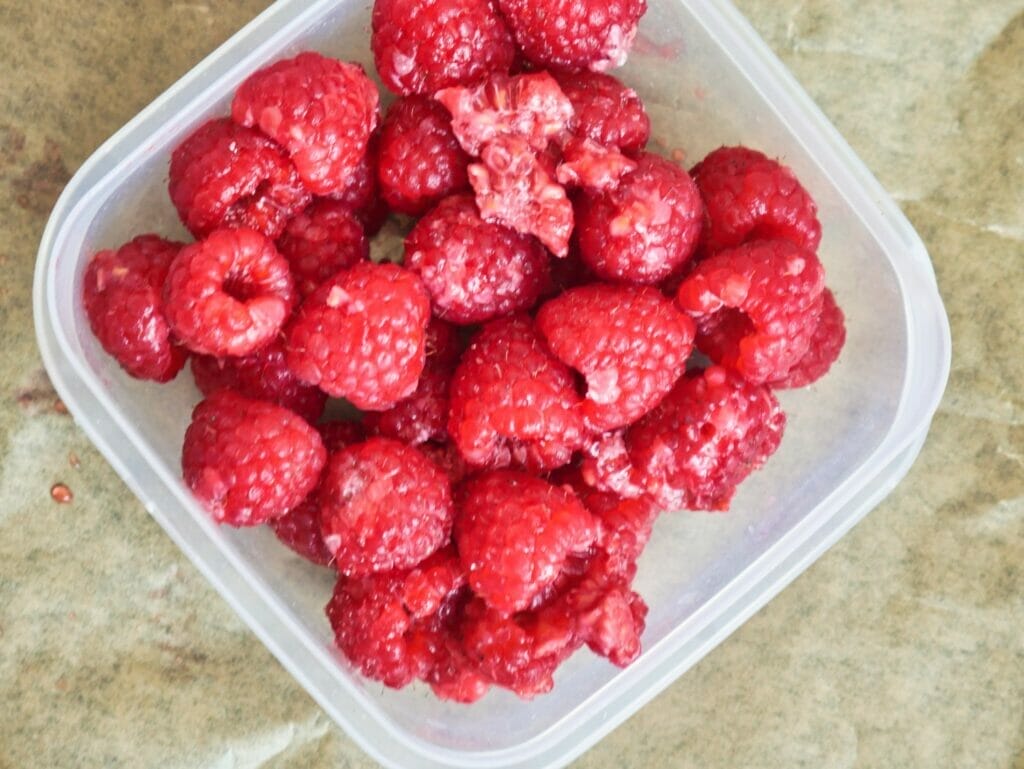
(707, 80)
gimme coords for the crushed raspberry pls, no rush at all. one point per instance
(320, 242)
(474, 270)
(299, 530)
(592, 166)
(360, 336)
(422, 46)
(384, 506)
(420, 160)
(229, 294)
(574, 34)
(530, 107)
(515, 187)
(514, 533)
(606, 111)
(749, 196)
(512, 402)
(321, 110)
(826, 343)
(224, 175)
(249, 461)
(340, 433)
(263, 375)
(122, 293)
(645, 228)
(756, 306)
(629, 342)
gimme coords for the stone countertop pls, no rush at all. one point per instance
(902, 646)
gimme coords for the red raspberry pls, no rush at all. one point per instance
(360, 336)
(320, 242)
(422, 46)
(514, 533)
(826, 343)
(229, 294)
(122, 293)
(512, 401)
(574, 34)
(224, 175)
(474, 270)
(748, 197)
(595, 168)
(421, 162)
(340, 433)
(517, 188)
(264, 376)
(645, 228)
(530, 107)
(248, 461)
(384, 506)
(321, 110)
(606, 111)
(299, 529)
(756, 306)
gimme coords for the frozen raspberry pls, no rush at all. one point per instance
(756, 306)
(422, 46)
(530, 107)
(592, 166)
(694, 449)
(384, 506)
(514, 402)
(320, 242)
(448, 457)
(263, 375)
(606, 111)
(420, 160)
(516, 188)
(229, 294)
(248, 461)
(474, 270)
(574, 34)
(360, 336)
(299, 530)
(748, 197)
(645, 228)
(122, 293)
(826, 343)
(340, 433)
(224, 175)
(629, 342)
(421, 417)
(428, 585)
(321, 110)
(514, 533)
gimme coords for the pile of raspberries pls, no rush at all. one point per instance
(581, 334)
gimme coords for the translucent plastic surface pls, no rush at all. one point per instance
(707, 81)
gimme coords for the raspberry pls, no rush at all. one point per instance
(322, 111)
(248, 461)
(606, 111)
(514, 187)
(748, 197)
(530, 107)
(756, 306)
(574, 34)
(320, 242)
(474, 270)
(629, 342)
(229, 294)
(122, 293)
(421, 162)
(224, 175)
(360, 336)
(299, 529)
(384, 506)
(645, 228)
(263, 375)
(514, 533)
(826, 343)
(339, 433)
(512, 401)
(422, 46)
(595, 168)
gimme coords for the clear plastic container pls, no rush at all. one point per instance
(707, 80)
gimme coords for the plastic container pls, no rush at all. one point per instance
(707, 80)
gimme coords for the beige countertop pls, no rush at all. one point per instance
(902, 647)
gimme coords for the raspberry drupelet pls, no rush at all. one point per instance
(320, 242)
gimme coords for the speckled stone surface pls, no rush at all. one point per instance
(903, 646)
